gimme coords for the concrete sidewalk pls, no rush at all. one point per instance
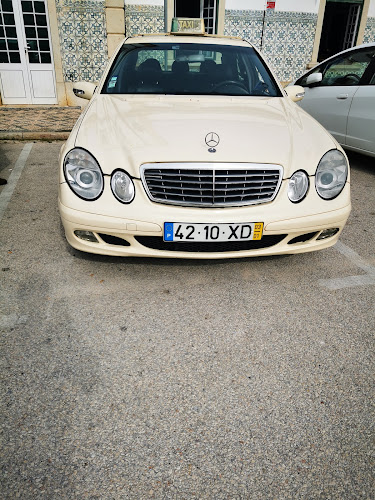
(43, 123)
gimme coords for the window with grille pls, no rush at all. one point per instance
(205, 9)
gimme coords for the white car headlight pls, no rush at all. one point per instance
(83, 174)
(122, 186)
(331, 174)
(298, 186)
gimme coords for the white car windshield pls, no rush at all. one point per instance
(189, 69)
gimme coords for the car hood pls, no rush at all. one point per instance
(128, 131)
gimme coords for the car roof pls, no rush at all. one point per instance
(201, 39)
(352, 49)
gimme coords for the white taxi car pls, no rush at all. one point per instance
(190, 148)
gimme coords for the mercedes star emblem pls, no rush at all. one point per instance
(212, 139)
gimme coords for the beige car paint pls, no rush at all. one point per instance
(126, 131)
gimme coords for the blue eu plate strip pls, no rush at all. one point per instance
(168, 231)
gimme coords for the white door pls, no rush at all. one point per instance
(330, 100)
(27, 73)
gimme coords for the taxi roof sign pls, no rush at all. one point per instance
(186, 25)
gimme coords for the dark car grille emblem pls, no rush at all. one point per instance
(212, 140)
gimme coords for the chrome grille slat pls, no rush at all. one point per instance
(233, 196)
(236, 187)
(189, 195)
(226, 183)
(242, 175)
(166, 175)
(218, 185)
(211, 185)
(225, 193)
(171, 183)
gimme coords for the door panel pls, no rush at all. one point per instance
(42, 84)
(13, 85)
(14, 79)
(26, 48)
(361, 120)
(330, 106)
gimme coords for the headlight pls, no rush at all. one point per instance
(331, 174)
(122, 186)
(83, 174)
(298, 186)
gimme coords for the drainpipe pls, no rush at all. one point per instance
(166, 16)
(261, 38)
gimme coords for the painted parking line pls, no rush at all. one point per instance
(7, 191)
(350, 281)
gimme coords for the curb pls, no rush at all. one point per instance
(34, 136)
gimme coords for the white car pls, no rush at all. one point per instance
(340, 94)
(190, 148)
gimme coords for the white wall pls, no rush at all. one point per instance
(371, 10)
(245, 4)
(281, 5)
(311, 6)
(145, 2)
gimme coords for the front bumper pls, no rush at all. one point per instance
(138, 232)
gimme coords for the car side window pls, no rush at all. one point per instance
(348, 69)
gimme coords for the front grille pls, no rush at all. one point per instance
(157, 243)
(211, 185)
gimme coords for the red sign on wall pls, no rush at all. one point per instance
(271, 5)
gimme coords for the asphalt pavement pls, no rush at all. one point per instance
(170, 379)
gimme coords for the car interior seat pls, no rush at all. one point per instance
(149, 75)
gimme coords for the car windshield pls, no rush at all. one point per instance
(189, 69)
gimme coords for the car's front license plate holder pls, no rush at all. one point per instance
(182, 231)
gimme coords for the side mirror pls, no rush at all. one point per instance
(85, 90)
(314, 78)
(295, 92)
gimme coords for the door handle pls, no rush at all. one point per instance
(342, 96)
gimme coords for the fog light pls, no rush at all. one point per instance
(87, 236)
(327, 233)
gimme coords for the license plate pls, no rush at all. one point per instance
(180, 231)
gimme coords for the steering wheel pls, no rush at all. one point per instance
(349, 79)
(353, 75)
(217, 86)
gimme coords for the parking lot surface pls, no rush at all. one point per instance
(147, 378)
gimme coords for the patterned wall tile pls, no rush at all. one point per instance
(244, 23)
(290, 34)
(369, 35)
(143, 19)
(83, 38)
(288, 37)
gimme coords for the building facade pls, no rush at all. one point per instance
(46, 45)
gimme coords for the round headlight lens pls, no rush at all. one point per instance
(298, 186)
(122, 186)
(83, 174)
(331, 174)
